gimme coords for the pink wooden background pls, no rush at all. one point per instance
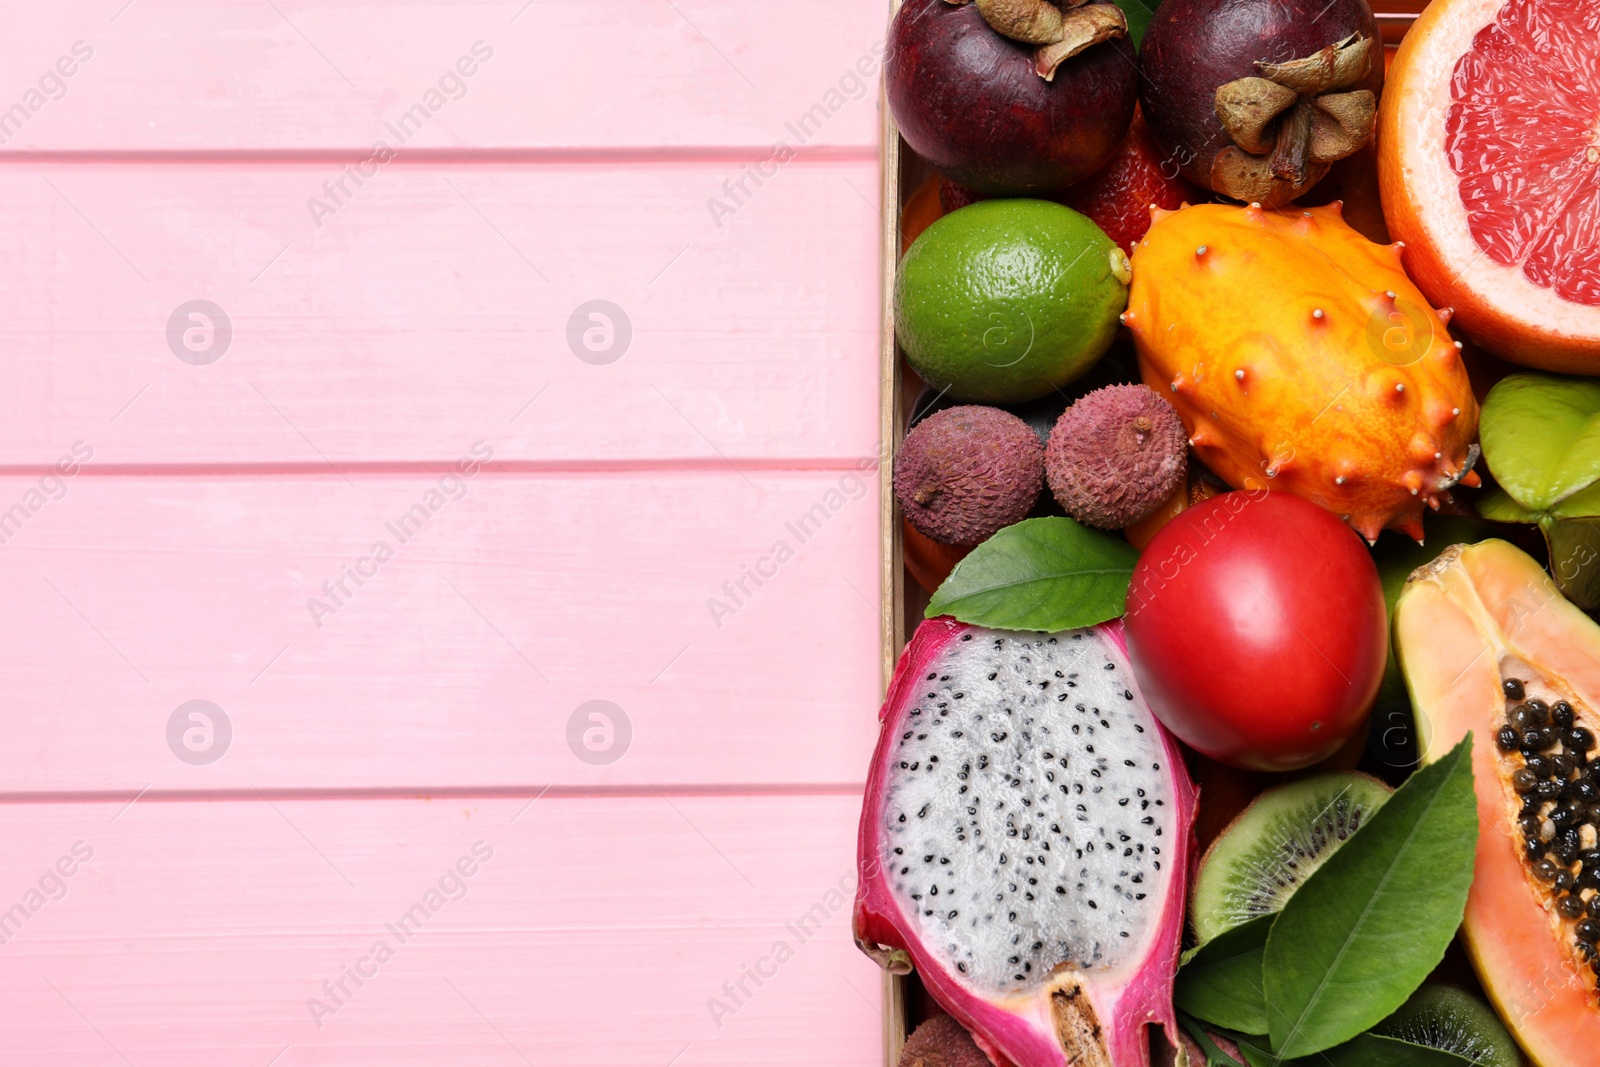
(419, 724)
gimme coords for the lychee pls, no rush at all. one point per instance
(1115, 455)
(965, 472)
(942, 1042)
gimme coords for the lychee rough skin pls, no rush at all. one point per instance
(942, 1042)
(965, 472)
(1115, 455)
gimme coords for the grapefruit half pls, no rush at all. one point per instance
(1489, 166)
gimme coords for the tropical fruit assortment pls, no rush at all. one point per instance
(1253, 718)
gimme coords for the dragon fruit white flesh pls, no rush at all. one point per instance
(1025, 843)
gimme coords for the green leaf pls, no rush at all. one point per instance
(1364, 930)
(1220, 982)
(1583, 504)
(1139, 13)
(1497, 506)
(1575, 559)
(1041, 574)
(1541, 437)
(1214, 1055)
(1364, 1050)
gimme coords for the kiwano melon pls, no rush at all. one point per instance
(1301, 358)
(1489, 647)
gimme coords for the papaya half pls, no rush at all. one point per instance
(1489, 647)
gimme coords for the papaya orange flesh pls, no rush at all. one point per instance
(1466, 624)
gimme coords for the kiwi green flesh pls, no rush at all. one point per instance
(1286, 833)
(1453, 1020)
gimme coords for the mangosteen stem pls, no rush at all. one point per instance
(1293, 145)
(1291, 120)
(1028, 21)
(1058, 29)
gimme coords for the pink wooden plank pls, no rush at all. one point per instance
(464, 655)
(166, 75)
(598, 931)
(435, 308)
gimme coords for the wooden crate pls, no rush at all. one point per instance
(902, 171)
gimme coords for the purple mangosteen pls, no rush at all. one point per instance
(1255, 99)
(1012, 97)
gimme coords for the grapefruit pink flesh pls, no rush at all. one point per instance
(1522, 138)
(1489, 166)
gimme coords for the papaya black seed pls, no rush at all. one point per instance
(1507, 738)
(1524, 781)
(1588, 930)
(1565, 848)
(1513, 688)
(1536, 739)
(1570, 906)
(1561, 714)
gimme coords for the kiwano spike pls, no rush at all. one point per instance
(1336, 207)
(1470, 480)
(1159, 213)
(1411, 525)
(1433, 502)
(1445, 314)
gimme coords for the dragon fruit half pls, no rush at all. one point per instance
(1025, 843)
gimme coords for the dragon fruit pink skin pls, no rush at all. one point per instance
(1044, 1022)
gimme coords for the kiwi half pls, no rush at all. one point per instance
(1286, 833)
(1453, 1020)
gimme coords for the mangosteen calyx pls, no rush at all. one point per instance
(1058, 30)
(1292, 121)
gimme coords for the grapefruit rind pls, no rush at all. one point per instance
(1496, 304)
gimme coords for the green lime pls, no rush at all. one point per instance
(1006, 300)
